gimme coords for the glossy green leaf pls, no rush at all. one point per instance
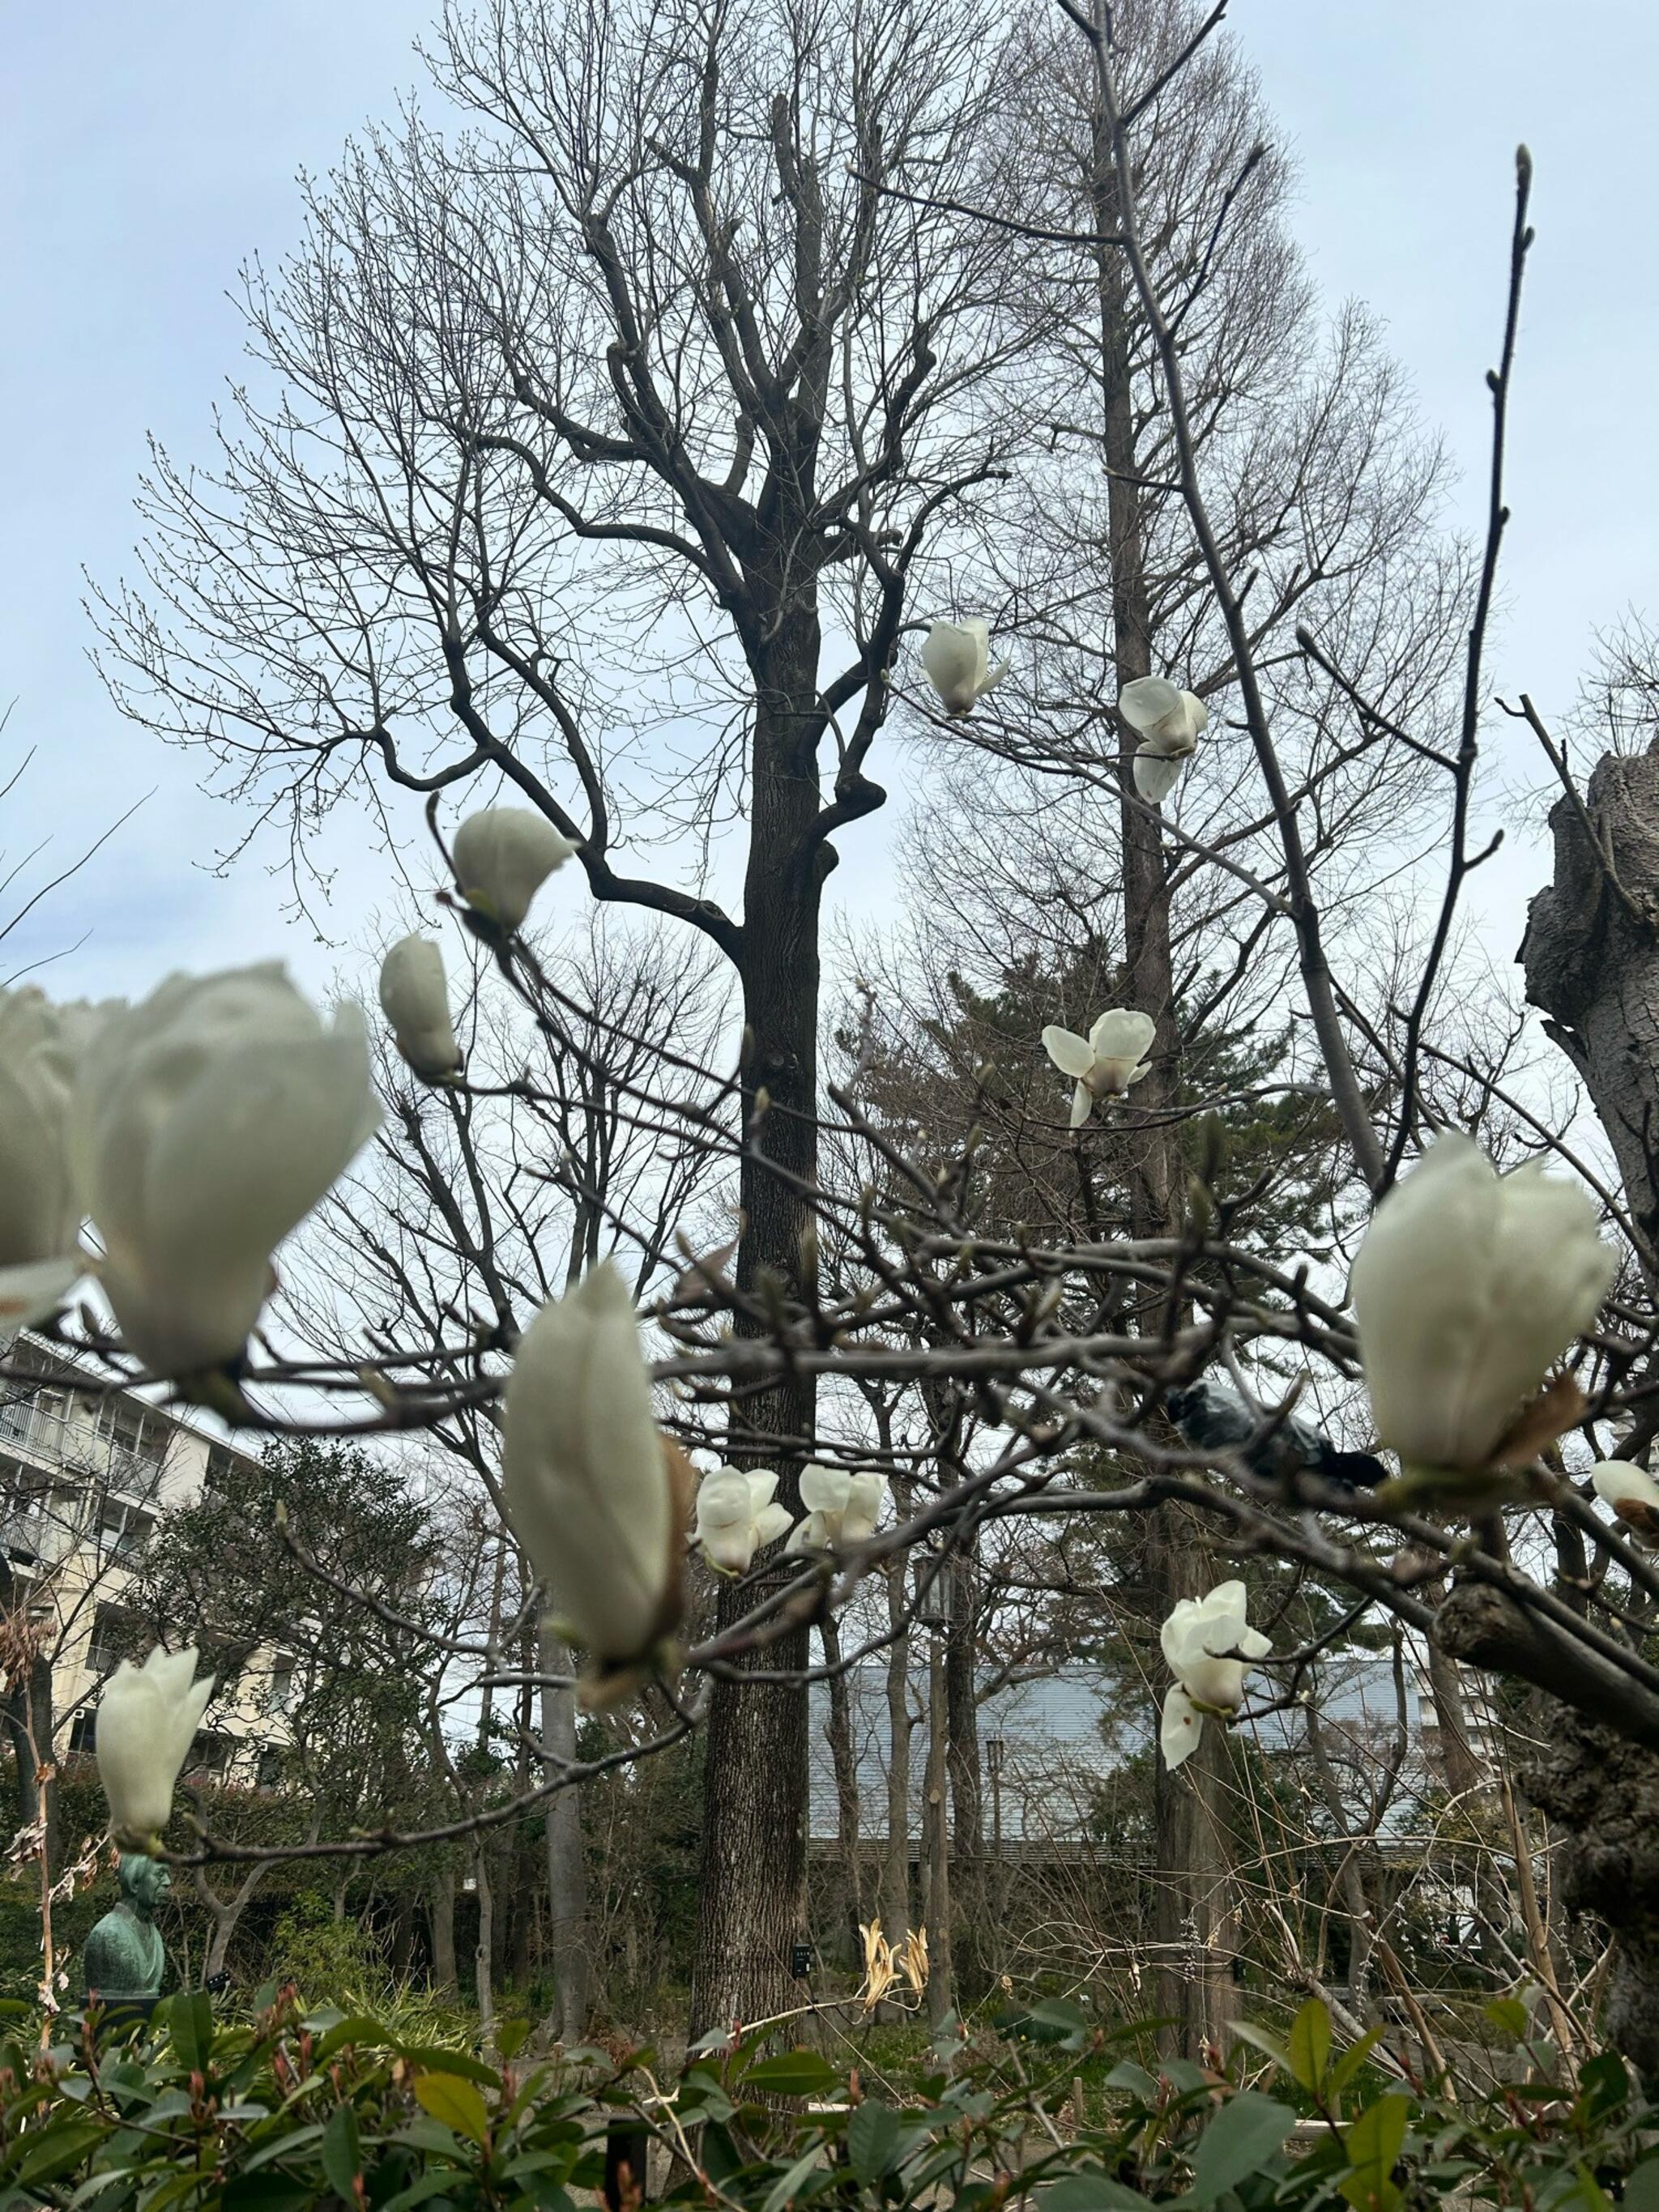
(874, 2133)
(190, 2025)
(792, 2073)
(1308, 2044)
(342, 2157)
(455, 2101)
(1373, 2143)
(1242, 2137)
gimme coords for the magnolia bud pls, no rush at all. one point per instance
(146, 1720)
(40, 1210)
(1467, 1285)
(415, 1001)
(502, 857)
(207, 1122)
(956, 658)
(586, 1474)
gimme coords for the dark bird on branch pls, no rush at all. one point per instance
(1214, 1417)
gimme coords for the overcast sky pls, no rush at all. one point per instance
(145, 151)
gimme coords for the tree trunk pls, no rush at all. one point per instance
(844, 1760)
(568, 1943)
(754, 1844)
(1193, 1921)
(941, 1993)
(1193, 1887)
(896, 1857)
(1603, 1792)
(440, 1909)
(483, 1954)
(225, 1914)
(1593, 967)
(43, 1722)
(971, 1952)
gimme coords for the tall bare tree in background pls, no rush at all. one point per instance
(629, 411)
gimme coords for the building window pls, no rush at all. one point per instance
(270, 1773)
(138, 1439)
(221, 1465)
(25, 1510)
(16, 1414)
(84, 1734)
(279, 1691)
(209, 1753)
(122, 1530)
(114, 1633)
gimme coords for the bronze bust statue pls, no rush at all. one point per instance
(124, 1957)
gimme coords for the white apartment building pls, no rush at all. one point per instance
(84, 1481)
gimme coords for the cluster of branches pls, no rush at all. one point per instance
(717, 347)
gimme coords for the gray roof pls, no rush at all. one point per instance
(1060, 1741)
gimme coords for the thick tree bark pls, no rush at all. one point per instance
(969, 1947)
(440, 1912)
(754, 1841)
(1591, 957)
(567, 1866)
(1603, 1792)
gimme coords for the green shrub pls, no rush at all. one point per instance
(294, 2110)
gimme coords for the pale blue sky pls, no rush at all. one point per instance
(144, 151)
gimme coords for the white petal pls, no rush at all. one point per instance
(1620, 1482)
(1146, 701)
(825, 1489)
(1155, 779)
(1070, 1053)
(1466, 1287)
(28, 1293)
(1083, 1100)
(866, 1496)
(1122, 1033)
(1177, 1736)
(206, 1123)
(811, 1534)
(770, 1522)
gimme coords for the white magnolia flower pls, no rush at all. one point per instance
(1633, 1494)
(1207, 1642)
(1467, 1285)
(40, 1210)
(1156, 777)
(1168, 722)
(840, 1508)
(502, 857)
(206, 1123)
(736, 1517)
(415, 1001)
(586, 1474)
(147, 1719)
(956, 656)
(1104, 1063)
